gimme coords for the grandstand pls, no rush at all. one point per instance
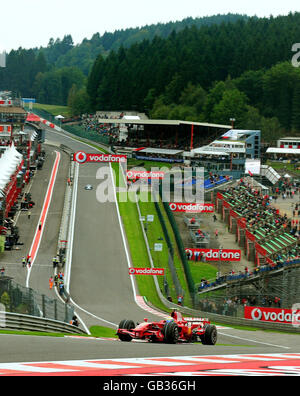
(259, 228)
(267, 238)
(168, 134)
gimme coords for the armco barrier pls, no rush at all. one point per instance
(229, 320)
(13, 321)
(182, 253)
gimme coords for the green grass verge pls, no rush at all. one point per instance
(133, 162)
(102, 331)
(284, 167)
(55, 110)
(201, 270)
(154, 235)
(33, 333)
(177, 260)
(138, 250)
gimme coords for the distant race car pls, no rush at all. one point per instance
(88, 187)
(173, 330)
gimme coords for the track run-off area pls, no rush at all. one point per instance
(103, 294)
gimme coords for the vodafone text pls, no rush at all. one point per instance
(82, 157)
(146, 271)
(134, 174)
(214, 254)
(289, 316)
(192, 208)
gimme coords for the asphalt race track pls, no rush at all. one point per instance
(102, 291)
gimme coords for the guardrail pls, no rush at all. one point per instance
(19, 322)
(229, 320)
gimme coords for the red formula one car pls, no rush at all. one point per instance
(170, 331)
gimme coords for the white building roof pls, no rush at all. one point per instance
(277, 150)
(9, 161)
(162, 151)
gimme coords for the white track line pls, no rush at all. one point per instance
(46, 199)
(257, 342)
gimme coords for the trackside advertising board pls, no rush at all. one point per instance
(136, 174)
(214, 254)
(82, 157)
(192, 207)
(146, 271)
(275, 315)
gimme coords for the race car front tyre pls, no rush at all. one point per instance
(127, 325)
(171, 333)
(210, 335)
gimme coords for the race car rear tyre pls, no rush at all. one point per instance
(210, 336)
(171, 333)
(127, 325)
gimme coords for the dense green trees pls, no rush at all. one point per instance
(208, 69)
(238, 70)
(53, 87)
(21, 69)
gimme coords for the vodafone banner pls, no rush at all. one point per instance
(192, 207)
(82, 157)
(146, 271)
(135, 174)
(275, 315)
(214, 254)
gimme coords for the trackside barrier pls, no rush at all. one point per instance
(21, 322)
(164, 227)
(229, 320)
(180, 245)
(63, 231)
(176, 282)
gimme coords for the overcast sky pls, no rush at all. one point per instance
(31, 23)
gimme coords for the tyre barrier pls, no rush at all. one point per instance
(19, 322)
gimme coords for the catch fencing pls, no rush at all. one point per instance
(20, 299)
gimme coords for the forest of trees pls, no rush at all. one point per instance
(207, 69)
(238, 70)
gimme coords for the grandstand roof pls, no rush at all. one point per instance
(160, 151)
(277, 150)
(160, 122)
